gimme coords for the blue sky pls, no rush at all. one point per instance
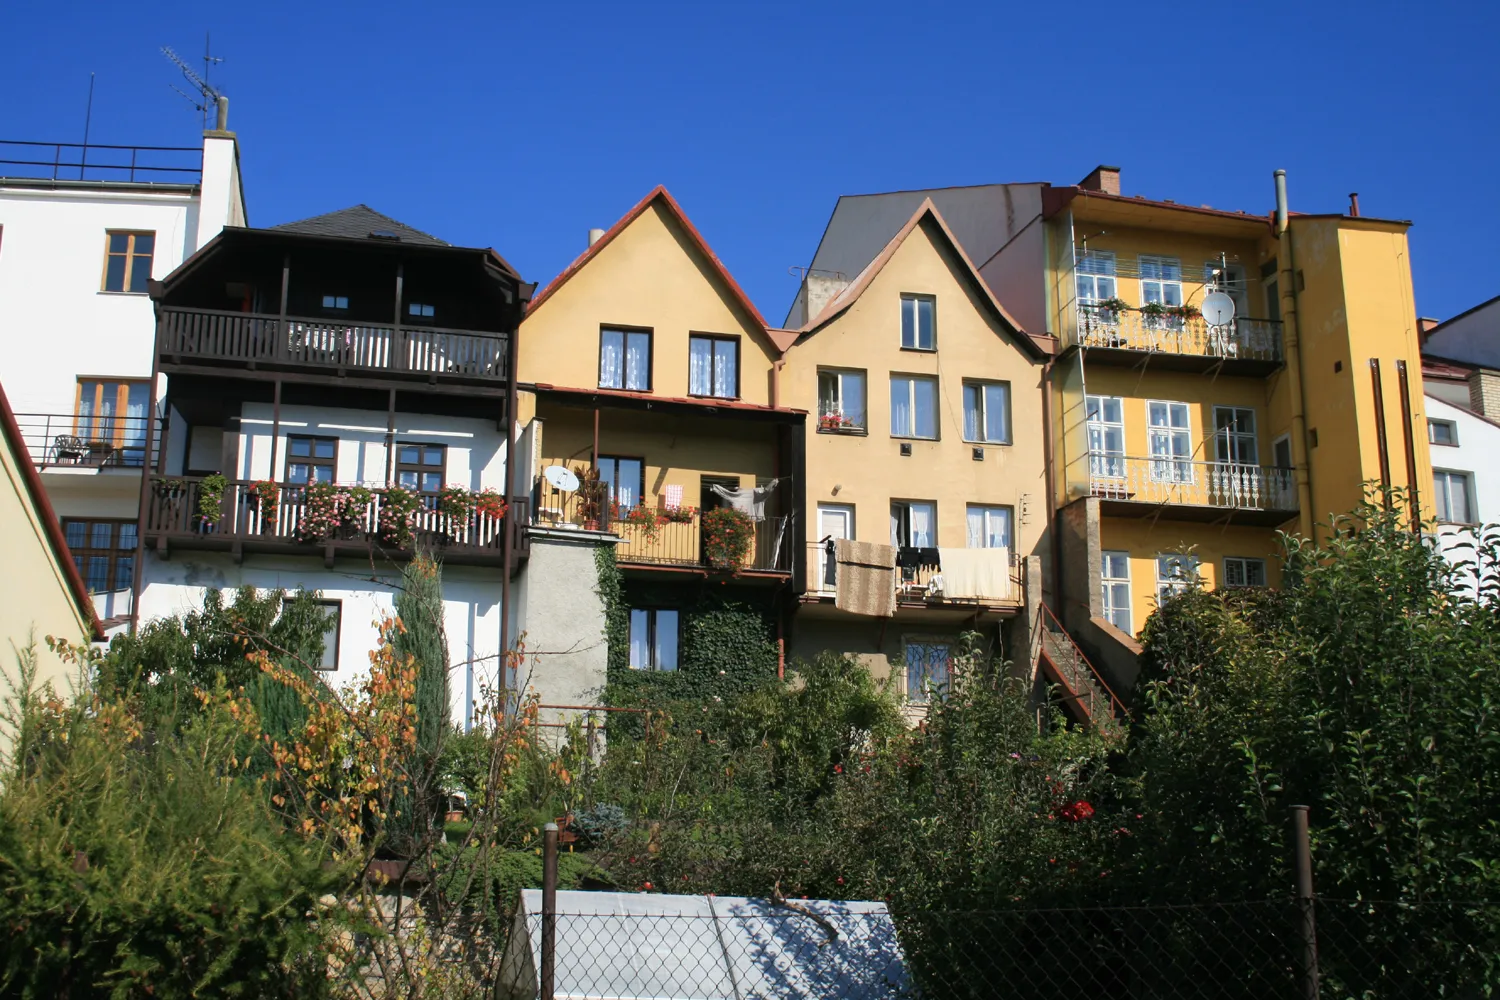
(520, 126)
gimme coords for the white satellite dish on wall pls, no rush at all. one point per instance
(1217, 309)
(561, 477)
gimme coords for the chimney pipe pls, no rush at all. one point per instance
(595, 235)
(222, 123)
(1354, 204)
(1280, 202)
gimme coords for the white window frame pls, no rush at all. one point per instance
(1112, 586)
(826, 582)
(901, 522)
(1442, 495)
(1161, 285)
(1225, 438)
(911, 406)
(1174, 581)
(923, 694)
(981, 389)
(652, 646)
(1231, 282)
(1432, 425)
(333, 609)
(1105, 462)
(1170, 467)
(835, 406)
(988, 514)
(1095, 277)
(916, 301)
(1243, 564)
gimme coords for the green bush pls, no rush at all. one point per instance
(487, 880)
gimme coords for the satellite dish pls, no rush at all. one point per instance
(1217, 309)
(561, 477)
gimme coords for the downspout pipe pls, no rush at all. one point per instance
(1048, 460)
(1301, 461)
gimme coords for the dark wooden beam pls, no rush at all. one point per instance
(276, 430)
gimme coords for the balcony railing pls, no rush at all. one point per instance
(914, 585)
(175, 510)
(66, 440)
(318, 343)
(71, 161)
(1133, 330)
(1194, 484)
(655, 536)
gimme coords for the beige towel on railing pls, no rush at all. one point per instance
(866, 578)
(976, 574)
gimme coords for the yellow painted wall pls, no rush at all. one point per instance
(869, 471)
(1144, 538)
(1192, 249)
(35, 600)
(650, 275)
(1201, 392)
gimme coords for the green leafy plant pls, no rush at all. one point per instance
(679, 515)
(1184, 312)
(489, 504)
(211, 499)
(267, 496)
(419, 606)
(646, 520)
(1111, 306)
(398, 511)
(728, 535)
(457, 504)
(593, 496)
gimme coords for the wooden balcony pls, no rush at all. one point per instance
(1193, 491)
(253, 341)
(174, 518)
(1126, 336)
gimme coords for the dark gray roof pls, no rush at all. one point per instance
(357, 223)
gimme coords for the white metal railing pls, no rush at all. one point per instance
(1133, 330)
(1196, 484)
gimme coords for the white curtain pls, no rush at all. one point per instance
(638, 361)
(989, 528)
(136, 402)
(926, 407)
(922, 535)
(701, 375)
(611, 349)
(971, 412)
(723, 368)
(901, 407)
(640, 636)
(996, 413)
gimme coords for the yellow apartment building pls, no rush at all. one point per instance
(645, 364)
(930, 403)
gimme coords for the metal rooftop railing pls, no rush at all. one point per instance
(72, 161)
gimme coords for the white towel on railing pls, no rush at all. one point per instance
(976, 573)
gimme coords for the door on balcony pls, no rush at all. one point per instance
(112, 419)
(835, 521)
(1169, 439)
(1106, 424)
(1237, 478)
(709, 500)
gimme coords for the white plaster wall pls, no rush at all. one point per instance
(471, 600)
(476, 448)
(1476, 452)
(561, 618)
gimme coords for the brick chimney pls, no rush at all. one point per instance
(818, 289)
(1103, 179)
(1424, 328)
(1484, 392)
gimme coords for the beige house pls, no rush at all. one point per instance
(930, 405)
(41, 592)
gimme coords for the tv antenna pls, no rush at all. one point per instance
(207, 101)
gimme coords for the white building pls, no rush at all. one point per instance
(83, 232)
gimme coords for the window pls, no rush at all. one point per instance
(1281, 451)
(1453, 497)
(834, 521)
(653, 639)
(713, 366)
(420, 468)
(104, 552)
(420, 310)
(926, 670)
(310, 459)
(625, 359)
(917, 333)
(1175, 572)
(127, 261)
(841, 400)
(336, 302)
(989, 527)
(1442, 432)
(1114, 576)
(625, 479)
(1161, 280)
(1106, 420)
(333, 620)
(1234, 435)
(1229, 279)
(1096, 276)
(1169, 442)
(1242, 572)
(914, 524)
(987, 412)
(115, 413)
(913, 406)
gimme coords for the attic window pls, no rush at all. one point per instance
(335, 302)
(384, 234)
(419, 310)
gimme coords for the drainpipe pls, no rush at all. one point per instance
(1051, 478)
(1301, 462)
(508, 529)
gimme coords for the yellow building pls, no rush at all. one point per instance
(930, 403)
(646, 362)
(41, 591)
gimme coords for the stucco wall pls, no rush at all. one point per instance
(561, 617)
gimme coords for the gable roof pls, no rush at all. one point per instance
(357, 223)
(50, 525)
(1037, 346)
(658, 194)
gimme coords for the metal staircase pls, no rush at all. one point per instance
(1086, 695)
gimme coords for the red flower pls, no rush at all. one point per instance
(1075, 811)
(838, 769)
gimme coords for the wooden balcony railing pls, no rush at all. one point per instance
(66, 440)
(656, 538)
(1133, 330)
(1195, 484)
(318, 343)
(175, 512)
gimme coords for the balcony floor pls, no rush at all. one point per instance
(1197, 513)
(1124, 357)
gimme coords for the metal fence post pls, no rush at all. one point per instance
(549, 910)
(1308, 922)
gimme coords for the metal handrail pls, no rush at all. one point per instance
(90, 441)
(1166, 479)
(1130, 329)
(82, 164)
(1117, 706)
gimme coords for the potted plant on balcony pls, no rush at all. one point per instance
(456, 504)
(593, 492)
(489, 505)
(727, 536)
(1153, 313)
(267, 496)
(211, 501)
(354, 510)
(1108, 310)
(645, 518)
(1184, 312)
(678, 515)
(322, 505)
(398, 508)
(836, 422)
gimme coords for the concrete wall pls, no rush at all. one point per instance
(1113, 653)
(561, 617)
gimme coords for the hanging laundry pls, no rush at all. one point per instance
(674, 496)
(750, 502)
(909, 557)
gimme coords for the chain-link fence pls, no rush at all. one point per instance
(637, 946)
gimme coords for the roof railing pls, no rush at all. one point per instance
(60, 161)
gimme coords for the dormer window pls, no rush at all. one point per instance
(419, 310)
(336, 302)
